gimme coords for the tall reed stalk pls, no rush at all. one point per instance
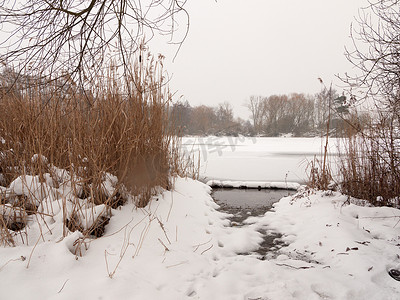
(370, 163)
(118, 126)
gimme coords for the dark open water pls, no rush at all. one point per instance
(243, 203)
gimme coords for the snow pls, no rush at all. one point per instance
(254, 184)
(181, 247)
(32, 187)
(256, 158)
(39, 159)
(348, 248)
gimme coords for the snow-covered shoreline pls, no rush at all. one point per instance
(181, 247)
(254, 184)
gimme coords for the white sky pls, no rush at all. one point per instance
(239, 48)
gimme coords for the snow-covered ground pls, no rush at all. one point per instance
(256, 158)
(181, 247)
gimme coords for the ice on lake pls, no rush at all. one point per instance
(257, 158)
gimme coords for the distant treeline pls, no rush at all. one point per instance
(207, 120)
(297, 114)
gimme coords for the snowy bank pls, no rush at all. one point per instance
(253, 184)
(336, 249)
(181, 247)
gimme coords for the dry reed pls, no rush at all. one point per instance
(119, 127)
(370, 164)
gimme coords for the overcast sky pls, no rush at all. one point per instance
(239, 48)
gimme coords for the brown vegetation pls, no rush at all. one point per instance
(369, 165)
(207, 120)
(102, 130)
(299, 114)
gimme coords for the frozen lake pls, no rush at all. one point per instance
(256, 159)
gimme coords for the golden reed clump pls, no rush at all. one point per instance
(118, 126)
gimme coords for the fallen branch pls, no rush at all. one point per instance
(365, 243)
(298, 268)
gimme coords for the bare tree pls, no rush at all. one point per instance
(301, 112)
(180, 116)
(279, 114)
(203, 119)
(376, 53)
(275, 112)
(78, 38)
(323, 106)
(370, 167)
(256, 105)
(224, 113)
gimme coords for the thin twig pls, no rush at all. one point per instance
(30, 256)
(165, 247)
(198, 245)
(63, 286)
(163, 229)
(181, 263)
(22, 258)
(298, 268)
(206, 249)
(386, 217)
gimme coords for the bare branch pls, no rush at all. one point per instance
(49, 38)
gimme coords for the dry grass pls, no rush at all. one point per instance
(319, 174)
(370, 164)
(118, 127)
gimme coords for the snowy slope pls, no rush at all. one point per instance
(181, 247)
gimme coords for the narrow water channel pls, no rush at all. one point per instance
(243, 203)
